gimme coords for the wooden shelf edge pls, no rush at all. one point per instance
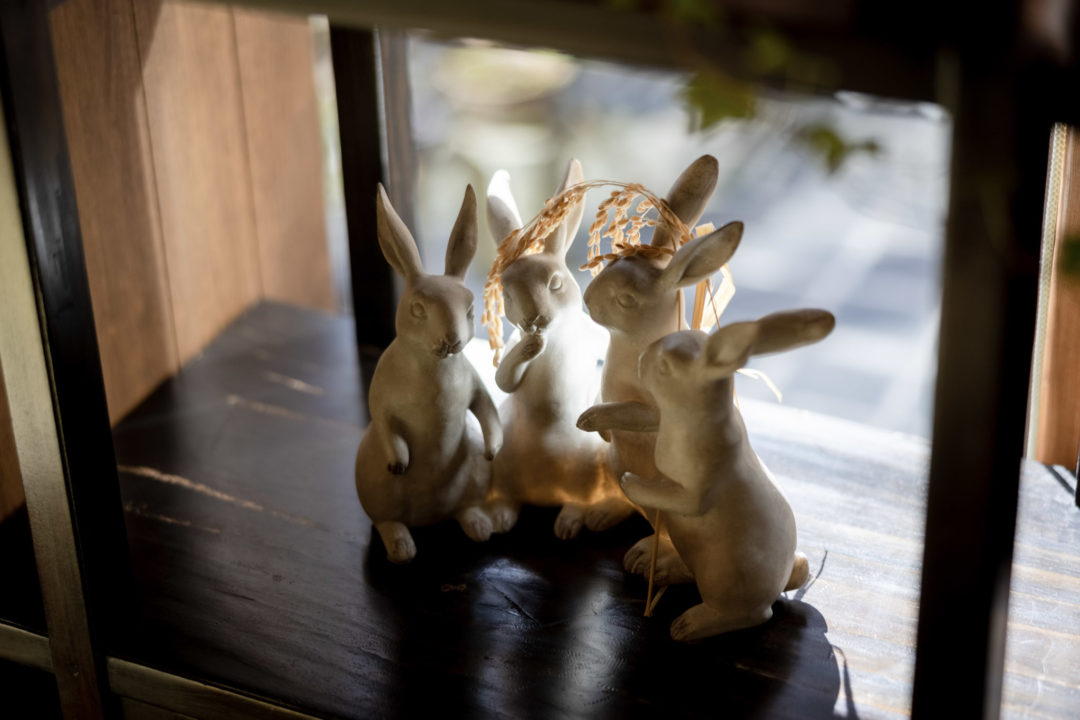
(25, 647)
(594, 30)
(191, 697)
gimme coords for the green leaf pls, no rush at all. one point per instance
(769, 52)
(714, 97)
(690, 11)
(833, 149)
(1070, 257)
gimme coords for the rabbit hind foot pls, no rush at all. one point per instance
(607, 513)
(475, 523)
(639, 556)
(703, 621)
(799, 573)
(503, 514)
(569, 522)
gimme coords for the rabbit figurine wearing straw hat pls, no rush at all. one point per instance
(637, 298)
(550, 376)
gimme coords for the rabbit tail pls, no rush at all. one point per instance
(799, 573)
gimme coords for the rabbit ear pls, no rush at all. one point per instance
(462, 244)
(502, 213)
(559, 241)
(791, 329)
(555, 243)
(689, 195)
(703, 256)
(731, 346)
(396, 241)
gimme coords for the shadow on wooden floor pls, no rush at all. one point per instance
(534, 626)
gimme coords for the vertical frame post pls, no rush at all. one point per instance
(1076, 474)
(376, 147)
(1000, 140)
(58, 400)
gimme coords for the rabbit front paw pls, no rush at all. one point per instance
(591, 420)
(531, 346)
(492, 448)
(399, 455)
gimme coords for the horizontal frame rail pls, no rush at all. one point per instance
(25, 647)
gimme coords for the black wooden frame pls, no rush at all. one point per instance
(39, 153)
(999, 84)
(356, 77)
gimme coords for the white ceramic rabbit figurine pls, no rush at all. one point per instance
(637, 299)
(421, 461)
(550, 376)
(728, 521)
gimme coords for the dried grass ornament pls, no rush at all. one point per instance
(620, 219)
(614, 221)
(550, 378)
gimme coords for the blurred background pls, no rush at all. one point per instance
(843, 199)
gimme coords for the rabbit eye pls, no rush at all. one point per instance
(556, 282)
(626, 300)
(418, 310)
(470, 313)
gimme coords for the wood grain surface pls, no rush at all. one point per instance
(284, 145)
(258, 569)
(25, 647)
(1059, 407)
(196, 153)
(100, 74)
(52, 374)
(198, 137)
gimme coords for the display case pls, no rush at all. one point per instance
(188, 488)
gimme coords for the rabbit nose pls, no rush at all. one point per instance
(536, 322)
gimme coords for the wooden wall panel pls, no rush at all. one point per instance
(192, 208)
(1058, 425)
(100, 74)
(278, 85)
(11, 491)
(199, 143)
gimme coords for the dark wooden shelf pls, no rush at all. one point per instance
(257, 569)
